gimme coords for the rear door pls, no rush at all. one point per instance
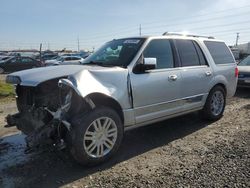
(195, 72)
(156, 92)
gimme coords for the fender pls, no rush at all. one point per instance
(87, 82)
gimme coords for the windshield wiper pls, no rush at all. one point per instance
(98, 63)
(93, 63)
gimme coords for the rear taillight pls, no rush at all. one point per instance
(236, 73)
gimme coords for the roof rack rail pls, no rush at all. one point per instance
(187, 35)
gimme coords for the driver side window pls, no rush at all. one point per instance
(161, 50)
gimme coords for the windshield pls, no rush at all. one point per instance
(55, 57)
(116, 52)
(245, 62)
(59, 58)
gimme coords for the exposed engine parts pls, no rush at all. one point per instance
(44, 113)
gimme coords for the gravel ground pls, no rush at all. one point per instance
(181, 152)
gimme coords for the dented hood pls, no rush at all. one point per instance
(33, 77)
(84, 79)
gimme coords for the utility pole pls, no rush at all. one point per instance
(41, 52)
(78, 45)
(140, 30)
(237, 38)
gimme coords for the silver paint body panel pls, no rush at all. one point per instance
(155, 97)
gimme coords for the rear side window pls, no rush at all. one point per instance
(188, 53)
(220, 52)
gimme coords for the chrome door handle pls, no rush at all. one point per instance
(208, 73)
(173, 77)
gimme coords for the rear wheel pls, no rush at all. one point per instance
(215, 104)
(96, 136)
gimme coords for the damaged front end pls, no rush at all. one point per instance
(46, 111)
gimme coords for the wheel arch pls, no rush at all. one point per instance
(221, 85)
(100, 99)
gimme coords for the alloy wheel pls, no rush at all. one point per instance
(100, 137)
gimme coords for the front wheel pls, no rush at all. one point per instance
(215, 104)
(96, 136)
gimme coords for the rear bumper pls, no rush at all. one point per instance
(244, 83)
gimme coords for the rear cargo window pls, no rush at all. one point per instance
(220, 52)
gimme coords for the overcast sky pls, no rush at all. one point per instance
(57, 24)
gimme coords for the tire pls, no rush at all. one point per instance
(1, 70)
(215, 104)
(86, 136)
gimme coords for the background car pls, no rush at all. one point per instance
(244, 73)
(46, 57)
(64, 60)
(18, 63)
(5, 57)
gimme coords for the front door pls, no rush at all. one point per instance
(156, 92)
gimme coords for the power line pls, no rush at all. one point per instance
(121, 33)
(172, 20)
(228, 30)
(200, 15)
(181, 18)
(94, 43)
(200, 21)
(211, 26)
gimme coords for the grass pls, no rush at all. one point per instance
(7, 91)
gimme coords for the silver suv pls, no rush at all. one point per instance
(127, 83)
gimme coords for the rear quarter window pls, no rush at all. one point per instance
(219, 52)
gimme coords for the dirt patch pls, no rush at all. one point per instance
(5, 109)
(181, 152)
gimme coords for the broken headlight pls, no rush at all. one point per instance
(13, 79)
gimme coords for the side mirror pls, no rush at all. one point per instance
(149, 63)
(145, 64)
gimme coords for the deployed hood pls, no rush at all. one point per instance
(33, 77)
